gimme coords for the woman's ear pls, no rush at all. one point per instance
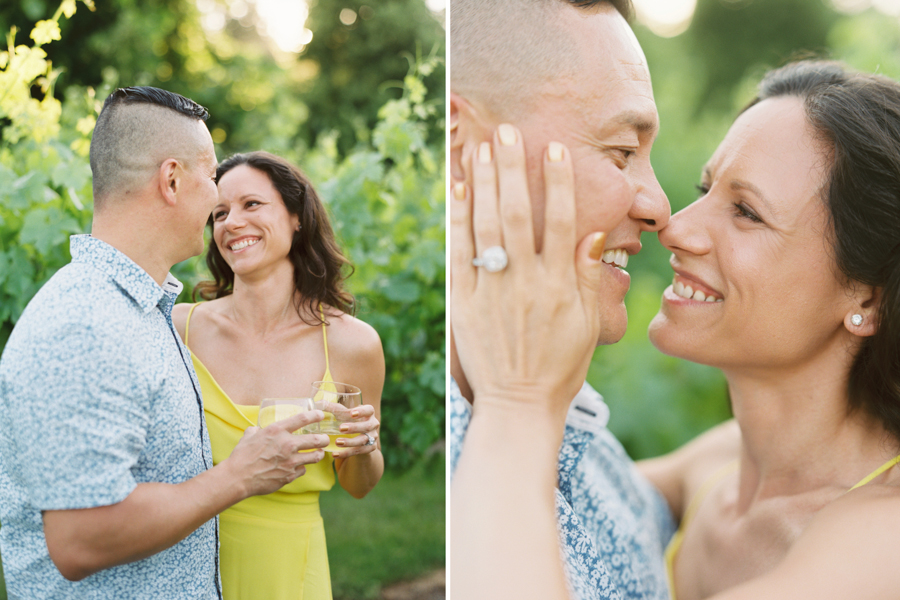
(468, 128)
(862, 320)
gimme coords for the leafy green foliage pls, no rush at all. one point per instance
(361, 66)
(44, 175)
(387, 200)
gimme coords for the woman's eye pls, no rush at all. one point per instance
(702, 189)
(742, 211)
(218, 215)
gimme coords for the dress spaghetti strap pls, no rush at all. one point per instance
(327, 375)
(877, 472)
(187, 324)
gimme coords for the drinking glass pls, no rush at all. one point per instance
(277, 409)
(336, 400)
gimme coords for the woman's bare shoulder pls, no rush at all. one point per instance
(204, 312)
(180, 314)
(849, 550)
(352, 336)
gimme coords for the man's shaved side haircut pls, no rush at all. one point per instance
(139, 128)
(502, 50)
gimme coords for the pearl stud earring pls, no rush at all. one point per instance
(856, 320)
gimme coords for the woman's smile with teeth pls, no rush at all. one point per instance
(242, 244)
(687, 291)
(617, 257)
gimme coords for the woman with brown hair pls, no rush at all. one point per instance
(278, 319)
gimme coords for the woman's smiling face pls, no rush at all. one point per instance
(251, 225)
(755, 245)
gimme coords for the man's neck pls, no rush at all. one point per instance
(128, 235)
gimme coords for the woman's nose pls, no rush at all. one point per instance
(687, 231)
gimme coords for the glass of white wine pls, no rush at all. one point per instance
(337, 401)
(277, 409)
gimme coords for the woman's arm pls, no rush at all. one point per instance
(360, 467)
(525, 336)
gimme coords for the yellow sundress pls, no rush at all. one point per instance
(270, 547)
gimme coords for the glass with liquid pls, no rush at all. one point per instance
(277, 409)
(337, 401)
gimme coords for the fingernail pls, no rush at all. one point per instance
(555, 152)
(507, 134)
(345, 428)
(354, 413)
(597, 246)
(340, 442)
(484, 153)
(459, 191)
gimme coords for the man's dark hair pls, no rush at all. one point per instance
(139, 127)
(152, 95)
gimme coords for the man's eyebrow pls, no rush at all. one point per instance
(640, 122)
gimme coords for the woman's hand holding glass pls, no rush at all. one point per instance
(350, 425)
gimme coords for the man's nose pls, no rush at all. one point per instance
(651, 206)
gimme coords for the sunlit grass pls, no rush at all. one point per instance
(396, 533)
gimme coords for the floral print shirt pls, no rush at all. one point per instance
(98, 395)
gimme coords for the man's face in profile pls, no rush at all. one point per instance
(605, 112)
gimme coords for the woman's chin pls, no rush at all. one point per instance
(669, 339)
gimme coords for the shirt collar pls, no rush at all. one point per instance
(132, 279)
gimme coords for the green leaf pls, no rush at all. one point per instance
(45, 228)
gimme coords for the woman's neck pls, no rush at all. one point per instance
(798, 433)
(264, 304)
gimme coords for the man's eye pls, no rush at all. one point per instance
(702, 188)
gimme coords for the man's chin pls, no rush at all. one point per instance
(613, 329)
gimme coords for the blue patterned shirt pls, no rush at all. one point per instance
(613, 525)
(97, 395)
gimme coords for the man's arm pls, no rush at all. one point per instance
(155, 516)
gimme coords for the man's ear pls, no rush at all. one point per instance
(169, 180)
(468, 128)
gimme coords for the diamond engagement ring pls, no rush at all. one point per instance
(493, 260)
(371, 441)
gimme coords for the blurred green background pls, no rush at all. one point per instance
(701, 78)
(352, 91)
